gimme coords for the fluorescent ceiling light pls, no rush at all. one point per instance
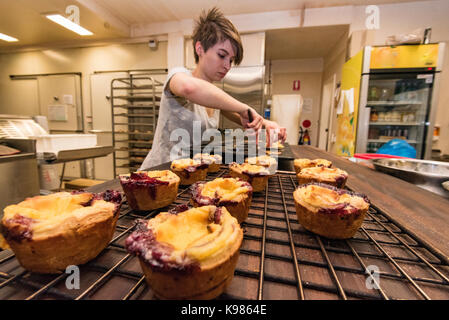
(66, 23)
(7, 38)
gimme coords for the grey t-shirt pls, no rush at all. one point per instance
(176, 113)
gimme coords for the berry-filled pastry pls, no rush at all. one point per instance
(265, 161)
(213, 160)
(232, 193)
(333, 176)
(328, 211)
(188, 253)
(256, 175)
(48, 233)
(302, 163)
(150, 190)
(189, 170)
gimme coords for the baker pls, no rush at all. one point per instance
(191, 96)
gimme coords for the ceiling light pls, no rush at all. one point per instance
(7, 38)
(66, 23)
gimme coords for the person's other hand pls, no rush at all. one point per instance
(274, 129)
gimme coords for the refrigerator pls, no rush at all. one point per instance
(389, 92)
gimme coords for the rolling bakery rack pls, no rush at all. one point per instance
(135, 106)
(279, 259)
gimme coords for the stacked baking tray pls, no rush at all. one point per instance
(279, 259)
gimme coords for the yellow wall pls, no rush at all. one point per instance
(333, 64)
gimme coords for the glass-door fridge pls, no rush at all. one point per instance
(398, 97)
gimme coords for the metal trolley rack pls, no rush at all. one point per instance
(134, 106)
(279, 259)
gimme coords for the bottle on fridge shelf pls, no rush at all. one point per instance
(405, 133)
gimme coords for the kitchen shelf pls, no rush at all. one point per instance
(132, 132)
(139, 98)
(137, 106)
(392, 123)
(393, 103)
(144, 115)
(387, 140)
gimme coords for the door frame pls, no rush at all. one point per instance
(326, 112)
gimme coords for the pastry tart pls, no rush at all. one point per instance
(328, 211)
(265, 161)
(233, 194)
(150, 190)
(276, 145)
(213, 160)
(256, 175)
(49, 233)
(189, 170)
(188, 254)
(333, 176)
(300, 164)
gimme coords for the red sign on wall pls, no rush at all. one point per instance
(296, 85)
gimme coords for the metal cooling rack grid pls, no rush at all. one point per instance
(279, 259)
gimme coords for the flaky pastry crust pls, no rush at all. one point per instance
(150, 190)
(49, 233)
(333, 176)
(302, 163)
(188, 253)
(232, 193)
(328, 211)
(189, 170)
(256, 175)
(213, 160)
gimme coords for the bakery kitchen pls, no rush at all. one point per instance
(198, 310)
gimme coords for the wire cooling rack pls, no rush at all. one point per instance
(278, 259)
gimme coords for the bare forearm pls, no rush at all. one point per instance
(205, 94)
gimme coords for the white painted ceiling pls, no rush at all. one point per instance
(113, 20)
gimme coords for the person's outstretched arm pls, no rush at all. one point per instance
(206, 94)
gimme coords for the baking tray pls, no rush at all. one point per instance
(279, 259)
(429, 175)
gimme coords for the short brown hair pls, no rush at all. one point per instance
(211, 28)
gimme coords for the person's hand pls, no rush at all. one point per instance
(257, 120)
(273, 129)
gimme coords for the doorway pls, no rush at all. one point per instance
(327, 106)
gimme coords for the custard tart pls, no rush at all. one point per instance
(213, 160)
(333, 176)
(48, 233)
(187, 253)
(328, 211)
(256, 175)
(302, 163)
(233, 194)
(189, 170)
(150, 190)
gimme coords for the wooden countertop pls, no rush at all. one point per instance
(421, 212)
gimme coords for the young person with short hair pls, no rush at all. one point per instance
(192, 96)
